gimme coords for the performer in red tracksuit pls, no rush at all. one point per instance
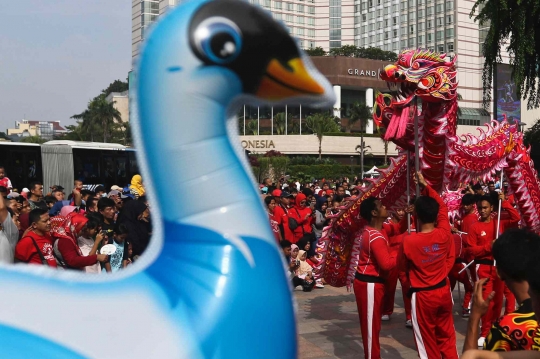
(375, 260)
(391, 281)
(429, 256)
(468, 276)
(480, 239)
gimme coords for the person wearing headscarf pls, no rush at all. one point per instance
(66, 247)
(136, 187)
(301, 213)
(320, 216)
(135, 216)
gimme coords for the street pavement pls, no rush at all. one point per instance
(328, 326)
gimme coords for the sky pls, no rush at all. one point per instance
(56, 55)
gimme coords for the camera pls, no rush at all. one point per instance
(297, 262)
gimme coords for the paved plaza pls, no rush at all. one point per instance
(328, 326)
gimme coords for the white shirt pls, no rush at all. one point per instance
(9, 236)
(86, 245)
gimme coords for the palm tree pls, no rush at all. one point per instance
(321, 123)
(382, 131)
(279, 123)
(251, 127)
(360, 112)
(103, 112)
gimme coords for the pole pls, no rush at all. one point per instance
(272, 120)
(499, 211)
(258, 121)
(416, 149)
(286, 120)
(244, 120)
(408, 191)
(300, 119)
(362, 160)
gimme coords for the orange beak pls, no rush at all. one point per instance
(280, 82)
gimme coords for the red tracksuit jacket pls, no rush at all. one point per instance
(375, 254)
(429, 257)
(482, 234)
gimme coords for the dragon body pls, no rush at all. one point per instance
(425, 86)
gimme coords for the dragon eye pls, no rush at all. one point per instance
(218, 39)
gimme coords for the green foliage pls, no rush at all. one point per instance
(366, 53)
(307, 160)
(512, 25)
(321, 123)
(279, 123)
(359, 111)
(532, 135)
(317, 51)
(351, 134)
(324, 171)
(251, 127)
(116, 86)
(33, 139)
(271, 167)
(3, 135)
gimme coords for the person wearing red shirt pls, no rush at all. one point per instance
(428, 256)
(374, 262)
(66, 246)
(303, 216)
(275, 220)
(36, 246)
(468, 276)
(282, 210)
(391, 281)
(480, 239)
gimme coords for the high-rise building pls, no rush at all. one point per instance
(143, 14)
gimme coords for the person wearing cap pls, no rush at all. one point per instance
(116, 188)
(117, 197)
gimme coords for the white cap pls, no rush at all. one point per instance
(25, 190)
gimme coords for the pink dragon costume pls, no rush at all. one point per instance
(446, 160)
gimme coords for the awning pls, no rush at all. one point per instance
(472, 116)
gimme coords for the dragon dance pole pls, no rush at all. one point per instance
(499, 211)
(408, 191)
(416, 149)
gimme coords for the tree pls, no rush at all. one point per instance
(373, 53)
(317, 51)
(532, 135)
(321, 123)
(33, 139)
(251, 127)
(512, 24)
(382, 131)
(279, 123)
(116, 86)
(359, 112)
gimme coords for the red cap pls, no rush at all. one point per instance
(276, 193)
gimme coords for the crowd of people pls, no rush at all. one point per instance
(104, 231)
(100, 231)
(493, 258)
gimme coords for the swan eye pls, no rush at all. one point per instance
(218, 40)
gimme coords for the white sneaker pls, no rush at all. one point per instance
(481, 342)
(385, 318)
(408, 323)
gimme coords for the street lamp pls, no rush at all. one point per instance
(362, 149)
(352, 165)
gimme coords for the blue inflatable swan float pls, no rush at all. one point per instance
(212, 283)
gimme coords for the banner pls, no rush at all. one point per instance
(508, 102)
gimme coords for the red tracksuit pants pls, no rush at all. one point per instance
(390, 292)
(369, 300)
(467, 277)
(433, 323)
(493, 284)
